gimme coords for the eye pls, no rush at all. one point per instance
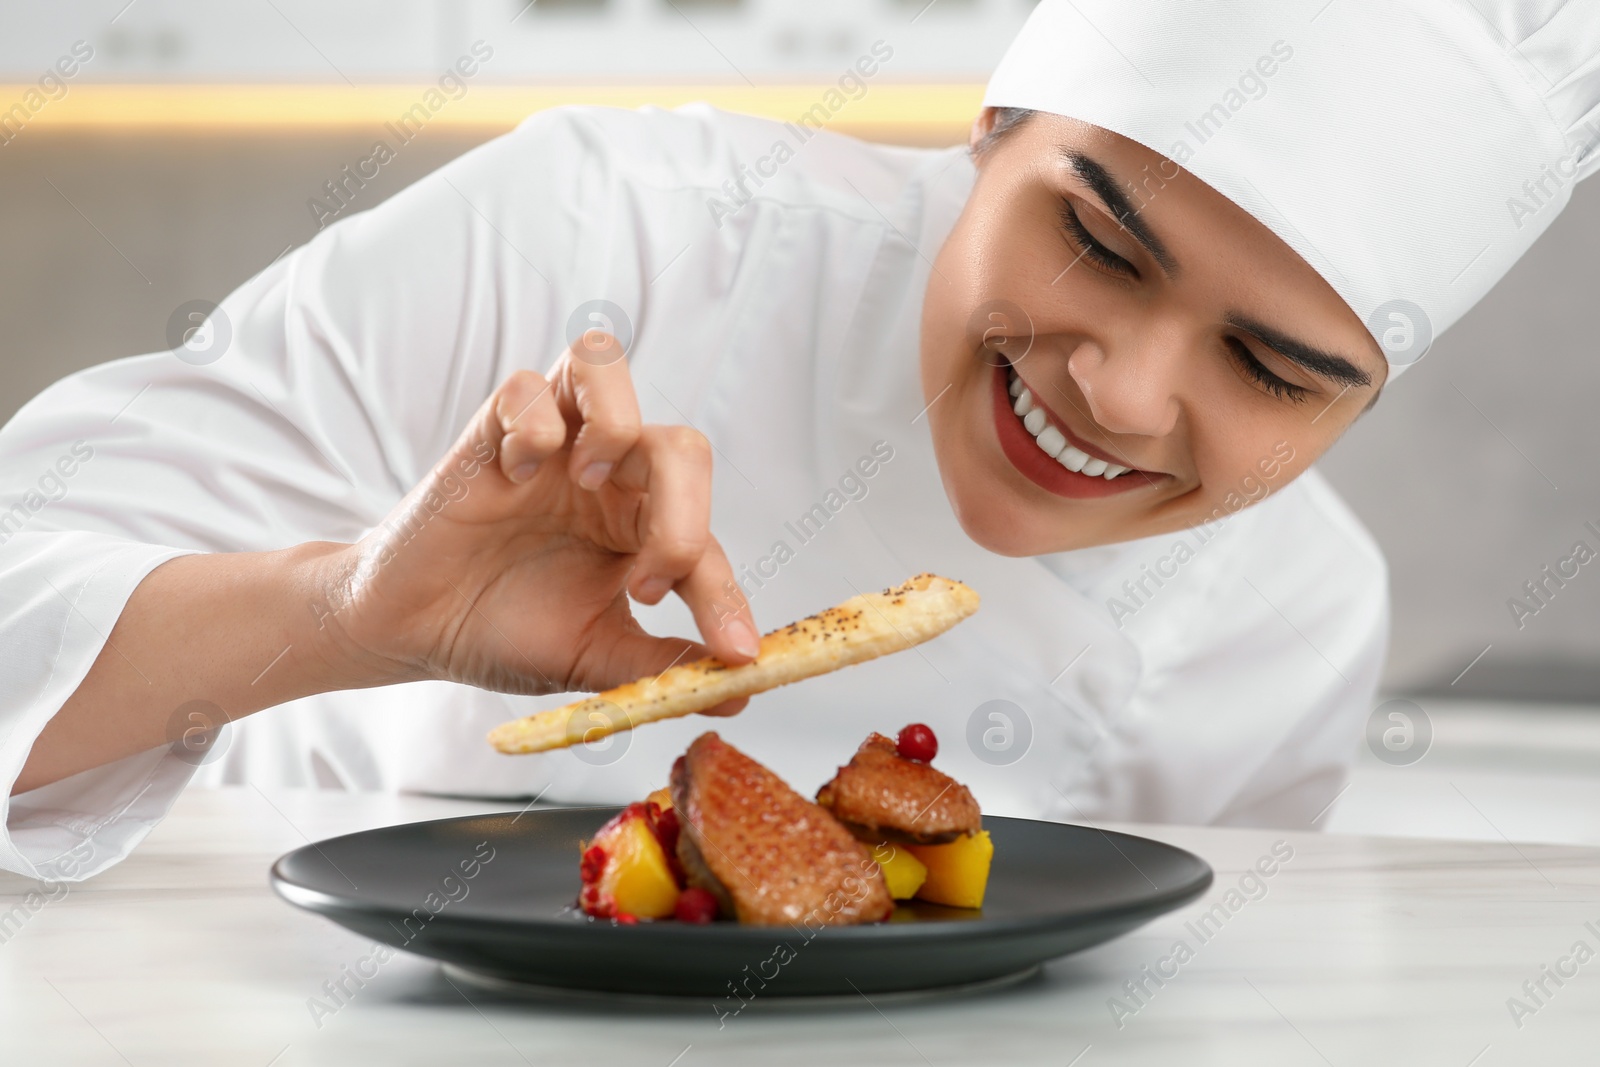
(1093, 250)
(1261, 375)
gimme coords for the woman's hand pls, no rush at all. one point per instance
(510, 565)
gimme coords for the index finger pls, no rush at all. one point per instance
(672, 467)
(721, 610)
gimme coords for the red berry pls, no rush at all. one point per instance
(696, 905)
(593, 903)
(625, 919)
(666, 827)
(635, 810)
(593, 862)
(917, 742)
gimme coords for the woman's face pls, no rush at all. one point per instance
(1151, 324)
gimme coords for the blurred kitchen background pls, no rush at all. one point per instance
(183, 155)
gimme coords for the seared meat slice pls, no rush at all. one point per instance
(771, 856)
(882, 796)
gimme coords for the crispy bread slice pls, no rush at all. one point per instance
(862, 628)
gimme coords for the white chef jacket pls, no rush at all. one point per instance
(785, 329)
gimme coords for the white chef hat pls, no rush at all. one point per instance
(1409, 150)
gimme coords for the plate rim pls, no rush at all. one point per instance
(979, 928)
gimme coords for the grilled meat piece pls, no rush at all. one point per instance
(882, 796)
(771, 857)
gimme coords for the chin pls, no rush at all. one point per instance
(996, 519)
(988, 531)
(1005, 531)
(993, 520)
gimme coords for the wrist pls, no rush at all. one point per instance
(322, 592)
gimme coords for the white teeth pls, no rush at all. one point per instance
(1072, 458)
(1051, 440)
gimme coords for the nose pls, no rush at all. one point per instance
(1133, 388)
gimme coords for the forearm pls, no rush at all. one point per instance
(238, 630)
(502, 568)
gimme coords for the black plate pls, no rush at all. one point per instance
(494, 895)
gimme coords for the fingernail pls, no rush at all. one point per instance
(594, 475)
(524, 472)
(654, 589)
(743, 636)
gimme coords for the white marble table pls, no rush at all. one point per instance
(1360, 951)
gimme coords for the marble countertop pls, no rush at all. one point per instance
(1358, 950)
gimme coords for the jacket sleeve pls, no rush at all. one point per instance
(319, 392)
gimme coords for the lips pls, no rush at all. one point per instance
(1023, 448)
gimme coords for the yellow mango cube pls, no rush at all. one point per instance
(958, 872)
(635, 877)
(903, 873)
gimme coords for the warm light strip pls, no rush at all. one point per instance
(933, 108)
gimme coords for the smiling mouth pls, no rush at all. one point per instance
(1047, 431)
(1041, 447)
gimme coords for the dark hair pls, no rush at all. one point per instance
(1006, 119)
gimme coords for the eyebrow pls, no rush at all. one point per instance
(1105, 186)
(1316, 360)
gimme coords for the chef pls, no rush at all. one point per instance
(562, 414)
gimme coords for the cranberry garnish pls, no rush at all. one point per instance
(593, 903)
(625, 919)
(666, 827)
(593, 862)
(696, 905)
(916, 742)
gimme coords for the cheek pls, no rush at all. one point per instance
(940, 337)
(952, 328)
(1257, 451)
